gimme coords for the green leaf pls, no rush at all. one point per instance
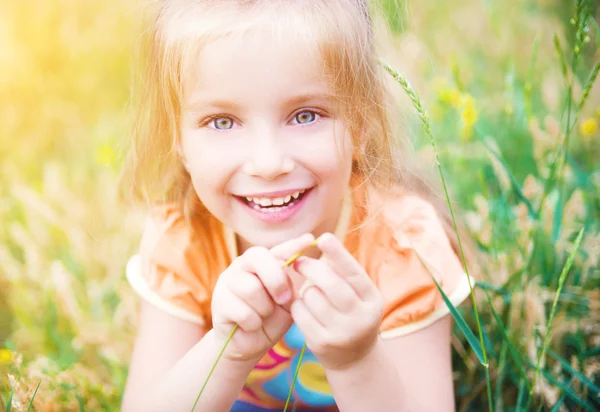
(33, 397)
(9, 402)
(460, 321)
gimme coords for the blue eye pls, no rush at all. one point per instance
(222, 123)
(305, 117)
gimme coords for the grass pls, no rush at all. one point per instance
(512, 103)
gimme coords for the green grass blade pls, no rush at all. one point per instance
(558, 216)
(511, 348)
(561, 282)
(9, 402)
(212, 369)
(558, 404)
(496, 290)
(33, 397)
(513, 180)
(529, 79)
(287, 402)
(80, 402)
(521, 393)
(595, 351)
(460, 321)
(589, 84)
(576, 374)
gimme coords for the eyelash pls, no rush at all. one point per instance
(206, 121)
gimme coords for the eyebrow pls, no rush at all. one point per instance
(303, 98)
(212, 104)
(229, 105)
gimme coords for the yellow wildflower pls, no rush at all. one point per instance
(104, 154)
(588, 127)
(468, 116)
(450, 96)
(5, 356)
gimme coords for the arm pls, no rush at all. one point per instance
(407, 373)
(170, 362)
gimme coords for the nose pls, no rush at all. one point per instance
(268, 158)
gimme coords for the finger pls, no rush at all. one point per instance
(310, 327)
(251, 290)
(239, 313)
(287, 251)
(344, 264)
(264, 265)
(319, 306)
(337, 291)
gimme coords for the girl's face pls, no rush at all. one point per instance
(260, 132)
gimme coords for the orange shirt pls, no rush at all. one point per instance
(177, 271)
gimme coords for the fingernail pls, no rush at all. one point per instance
(298, 262)
(284, 297)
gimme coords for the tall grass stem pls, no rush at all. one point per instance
(404, 83)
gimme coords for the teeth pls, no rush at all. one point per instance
(279, 201)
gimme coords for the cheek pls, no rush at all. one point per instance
(208, 168)
(332, 157)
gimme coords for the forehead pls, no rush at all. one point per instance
(257, 64)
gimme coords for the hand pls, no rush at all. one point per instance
(340, 311)
(254, 293)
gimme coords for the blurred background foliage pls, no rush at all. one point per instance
(501, 98)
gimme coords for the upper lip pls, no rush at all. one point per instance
(275, 194)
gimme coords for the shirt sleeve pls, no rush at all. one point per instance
(167, 270)
(417, 250)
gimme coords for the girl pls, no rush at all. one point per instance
(264, 125)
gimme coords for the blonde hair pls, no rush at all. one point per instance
(341, 31)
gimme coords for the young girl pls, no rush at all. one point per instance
(264, 126)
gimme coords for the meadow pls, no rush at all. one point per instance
(506, 91)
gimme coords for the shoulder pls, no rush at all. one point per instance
(166, 236)
(405, 249)
(407, 216)
(168, 270)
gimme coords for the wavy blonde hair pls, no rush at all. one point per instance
(341, 31)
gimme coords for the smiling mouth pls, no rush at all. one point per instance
(265, 204)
